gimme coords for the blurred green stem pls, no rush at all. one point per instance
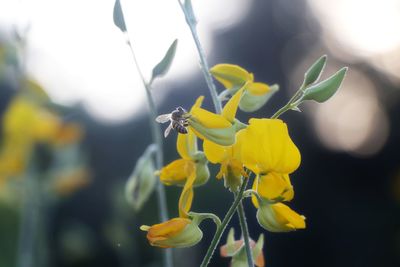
(203, 61)
(29, 222)
(157, 139)
(225, 221)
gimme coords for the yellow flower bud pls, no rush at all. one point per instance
(256, 95)
(174, 233)
(209, 126)
(279, 218)
(233, 77)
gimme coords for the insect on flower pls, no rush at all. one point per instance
(178, 121)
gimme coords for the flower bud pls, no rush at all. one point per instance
(223, 134)
(142, 181)
(174, 233)
(235, 249)
(256, 95)
(202, 172)
(279, 218)
(233, 77)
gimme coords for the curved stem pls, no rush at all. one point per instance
(157, 138)
(224, 223)
(203, 61)
(245, 232)
(290, 104)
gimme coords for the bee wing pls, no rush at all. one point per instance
(163, 118)
(168, 130)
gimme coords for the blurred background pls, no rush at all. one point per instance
(75, 120)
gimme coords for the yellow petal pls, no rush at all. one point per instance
(267, 147)
(288, 217)
(176, 172)
(275, 186)
(209, 119)
(255, 188)
(186, 144)
(215, 153)
(230, 108)
(198, 102)
(230, 75)
(258, 88)
(186, 198)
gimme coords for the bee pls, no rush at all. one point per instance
(178, 121)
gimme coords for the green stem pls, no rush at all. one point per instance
(290, 104)
(203, 61)
(225, 221)
(29, 220)
(245, 232)
(157, 139)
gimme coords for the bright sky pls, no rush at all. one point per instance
(78, 55)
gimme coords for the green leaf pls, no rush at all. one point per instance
(314, 72)
(322, 91)
(118, 16)
(189, 13)
(163, 66)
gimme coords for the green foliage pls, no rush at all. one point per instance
(118, 16)
(324, 90)
(314, 72)
(163, 66)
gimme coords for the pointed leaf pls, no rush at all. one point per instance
(163, 66)
(314, 72)
(325, 89)
(118, 16)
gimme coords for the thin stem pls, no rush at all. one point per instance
(29, 221)
(156, 135)
(245, 232)
(225, 221)
(203, 61)
(290, 104)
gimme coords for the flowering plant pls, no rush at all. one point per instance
(260, 150)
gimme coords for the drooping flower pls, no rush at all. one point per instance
(176, 233)
(234, 77)
(279, 218)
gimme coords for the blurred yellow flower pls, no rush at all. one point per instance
(68, 183)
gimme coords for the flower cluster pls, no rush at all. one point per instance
(262, 147)
(28, 125)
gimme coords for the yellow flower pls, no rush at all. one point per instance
(228, 156)
(267, 150)
(70, 182)
(176, 233)
(217, 128)
(234, 77)
(279, 218)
